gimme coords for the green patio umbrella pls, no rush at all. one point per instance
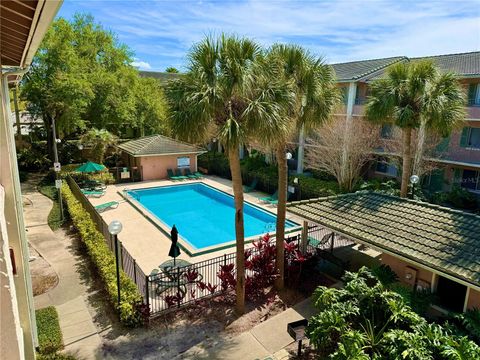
(90, 167)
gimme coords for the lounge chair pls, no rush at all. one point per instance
(270, 199)
(172, 176)
(178, 174)
(107, 206)
(275, 201)
(93, 193)
(199, 175)
(251, 187)
(94, 185)
(188, 174)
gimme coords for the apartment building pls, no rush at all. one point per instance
(23, 25)
(457, 157)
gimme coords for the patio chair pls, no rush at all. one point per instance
(171, 175)
(93, 193)
(199, 175)
(269, 199)
(94, 185)
(251, 187)
(107, 206)
(275, 201)
(188, 174)
(178, 174)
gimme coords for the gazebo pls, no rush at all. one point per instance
(428, 246)
(154, 154)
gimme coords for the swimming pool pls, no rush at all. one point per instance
(203, 215)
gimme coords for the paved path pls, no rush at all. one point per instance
(80, 334)
(267, 340)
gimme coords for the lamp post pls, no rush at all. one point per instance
(288, 156)
(296, 181)
(414, 179)
(57, 167)
(114, 228)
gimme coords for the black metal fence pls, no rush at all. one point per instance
(124, 174)
(177, 287)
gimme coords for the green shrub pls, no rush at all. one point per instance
(69, 170)
(467, 324)
(55, 356)
(54, 216)
(385, 275)
(49, 333)
(104, 261)
(462, 199)
(216, 163)
(313, 188)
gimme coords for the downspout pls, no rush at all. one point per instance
(19, 71)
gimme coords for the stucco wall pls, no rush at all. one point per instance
(400, 266)
(473, 299)
(155, 167)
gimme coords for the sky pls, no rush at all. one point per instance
(161, 33)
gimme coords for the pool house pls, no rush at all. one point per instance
(428, 246)
(154, 155)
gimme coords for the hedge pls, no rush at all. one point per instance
(49, 334)
(104, 260)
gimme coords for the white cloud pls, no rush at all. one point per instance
(142, 65)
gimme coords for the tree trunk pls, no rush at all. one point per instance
(234, 160)
(281, 212)
(407, 161)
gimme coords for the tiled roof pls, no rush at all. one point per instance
(464, 65)
(162, 76)
(356, 70)
(157, 145)
(439, 238)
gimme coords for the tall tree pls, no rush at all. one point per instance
(227, 93)
(98, 141)
(414, 95)
(81, 78)
(315, 95)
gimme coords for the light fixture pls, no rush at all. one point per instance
(80, 147)
(295, 181)
(115, 227)
(414, 179)
(288, 156)
(58, 141)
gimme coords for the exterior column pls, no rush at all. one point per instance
(467, 295)
(301, 150)
(352, 91)
(304, 238)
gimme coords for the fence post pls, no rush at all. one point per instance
(147, 296)
(332, 244)
(135, 271)
(121, 253)
(178, 286)
(224, 259)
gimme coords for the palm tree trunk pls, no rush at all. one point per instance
(281, 213)
(407, 160)
(234, 160)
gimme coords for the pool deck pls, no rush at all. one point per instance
(143, 240)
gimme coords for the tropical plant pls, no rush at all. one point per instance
(315, 95)
(364, 320)
(415, 95)
(228, 93)
(171, 70)
(98, 141)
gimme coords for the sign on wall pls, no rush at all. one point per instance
(183, 162)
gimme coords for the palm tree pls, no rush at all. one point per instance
(228, 94)
(414, 95)
(315, 96)
(99, 140)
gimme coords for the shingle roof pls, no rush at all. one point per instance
(162, 76)
(439, 238)
(355, 70)
(157, 145)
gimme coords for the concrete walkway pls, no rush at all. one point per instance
(267, 340)
(80, 334)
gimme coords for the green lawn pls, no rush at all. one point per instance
(54, 218)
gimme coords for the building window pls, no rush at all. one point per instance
(183, 162)
(450, 294)
(474, 95)
(386, 132)
(470, 180)
(386, 167)
(470, 138)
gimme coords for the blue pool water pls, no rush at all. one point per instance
(203, 216)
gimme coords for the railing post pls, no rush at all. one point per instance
(121, 254)
(178, 286)
(224, 259)
(147, 295)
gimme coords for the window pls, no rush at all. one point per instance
(474, 95)
(470, 180)
(183, 162)
(386, 132)
(386, 167)
(470, 137)
(451, 295)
